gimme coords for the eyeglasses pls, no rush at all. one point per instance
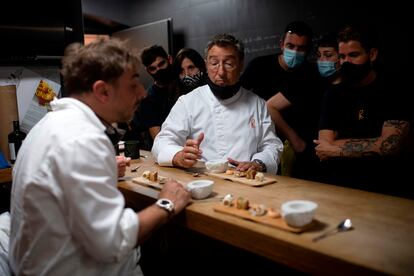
(227, 65)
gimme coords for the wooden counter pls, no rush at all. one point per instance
(382, 241)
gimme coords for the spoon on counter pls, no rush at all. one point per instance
(343, 226)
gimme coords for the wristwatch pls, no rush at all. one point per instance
(260, 162)
(167, 205)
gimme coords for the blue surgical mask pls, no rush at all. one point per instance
(327, 68)
(293, 58)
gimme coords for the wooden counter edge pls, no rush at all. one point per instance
(263, 245)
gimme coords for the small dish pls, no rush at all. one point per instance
(217, 166)
(200, 189)
(298, 213)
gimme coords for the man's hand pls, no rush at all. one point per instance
(175, 192)
(122, 162)
(190, 154)
(245, 165)
(325, 150)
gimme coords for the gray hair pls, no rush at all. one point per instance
(226, 40)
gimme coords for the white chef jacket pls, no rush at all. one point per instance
(67, 216)
(239, 127)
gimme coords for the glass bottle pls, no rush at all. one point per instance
(15, 139)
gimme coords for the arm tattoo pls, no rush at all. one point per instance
(359, 147)
(367, 147)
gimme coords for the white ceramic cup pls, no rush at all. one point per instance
(217, 166)
(298, 213)
(200, 188)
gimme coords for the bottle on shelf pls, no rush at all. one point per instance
(15, 139)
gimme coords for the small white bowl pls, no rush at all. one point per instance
(217, 166)
(298, 213)
(200, 188)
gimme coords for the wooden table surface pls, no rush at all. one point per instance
(382, 240)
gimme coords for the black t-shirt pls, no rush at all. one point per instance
(152, 111)
(359, 113)
(265, 77)
(156, 106)
(301, 87)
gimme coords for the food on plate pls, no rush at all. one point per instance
(230, 171)
(239, 174)
(272, 213)
(251, 173)
(153, 176)
(258, 210)
(146, 174)
(259, 176)
(242, 203)
(228, 199)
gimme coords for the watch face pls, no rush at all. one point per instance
(166, 204)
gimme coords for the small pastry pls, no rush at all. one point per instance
(240, 174)
(250, 174)
(258, 210)
(230, 172)
(146, 174)
(227, 200)
(242, 203)
(272, 213)
(153, 176)
(259, 176)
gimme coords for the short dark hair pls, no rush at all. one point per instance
(328, 40)
(106, 60)
(192, 55)
(364, 34)
(150, 54)
(226, 40)
(300, 28)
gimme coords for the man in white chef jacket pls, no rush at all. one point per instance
(220, 120)
(67, 215)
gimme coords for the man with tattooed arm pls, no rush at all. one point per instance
(363, 125)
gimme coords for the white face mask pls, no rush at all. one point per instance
(327, 68)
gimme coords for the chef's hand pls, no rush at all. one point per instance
(122, 162)
(190, 154)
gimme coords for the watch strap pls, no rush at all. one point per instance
(261, 163)
(167, 205)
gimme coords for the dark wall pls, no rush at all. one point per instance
(259, 23)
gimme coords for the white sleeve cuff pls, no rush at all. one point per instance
(129, 224)
(166, 156)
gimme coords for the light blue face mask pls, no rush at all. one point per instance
(327, 68)
(293, 58)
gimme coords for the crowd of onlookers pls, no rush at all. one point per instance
(324, 113)
(340, 119)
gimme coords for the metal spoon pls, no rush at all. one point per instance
(342, 227)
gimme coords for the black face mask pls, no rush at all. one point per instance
(164, 76)
(223, 92)
(354, 73)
